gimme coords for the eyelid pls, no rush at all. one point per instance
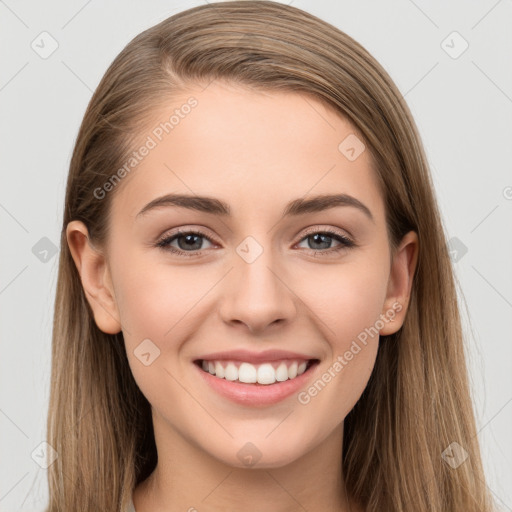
(318, 228)
(185, 230)
(346, 242)
(199, 231)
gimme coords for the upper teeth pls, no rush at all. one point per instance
(249, 373)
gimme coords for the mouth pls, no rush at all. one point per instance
(264, 374)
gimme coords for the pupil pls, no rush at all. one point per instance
(318, 239)
(190, 240)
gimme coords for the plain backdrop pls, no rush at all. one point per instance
(53, 55)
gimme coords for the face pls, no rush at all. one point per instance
(261, 278)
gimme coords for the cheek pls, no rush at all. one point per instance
(152, 298)
(348, 306)
(346, 299)
(153, 303)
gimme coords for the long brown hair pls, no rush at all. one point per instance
(417, 401)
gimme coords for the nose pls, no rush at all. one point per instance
(257, 295)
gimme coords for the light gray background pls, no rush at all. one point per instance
(463, 109)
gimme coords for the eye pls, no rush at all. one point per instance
(189, 242)
(318, 240)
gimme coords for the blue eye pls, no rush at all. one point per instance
(319, 237)
(190, 242)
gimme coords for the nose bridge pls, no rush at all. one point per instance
(256, 294)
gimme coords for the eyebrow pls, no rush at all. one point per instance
(296, 207)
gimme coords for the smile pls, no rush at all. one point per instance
(265, 373)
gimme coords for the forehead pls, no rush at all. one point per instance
(251, 149)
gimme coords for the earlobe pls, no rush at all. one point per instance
(400, 283)
(95, 276)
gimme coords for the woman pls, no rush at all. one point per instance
(208, 354)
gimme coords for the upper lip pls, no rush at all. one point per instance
(255, 357)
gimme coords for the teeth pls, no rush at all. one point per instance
(282, 372)
(231, 372)
(264, 373)
(219, 370)
(247, 373)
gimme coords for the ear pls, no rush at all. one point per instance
(400, 283)
(95, 276)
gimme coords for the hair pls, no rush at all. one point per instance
(417, 401)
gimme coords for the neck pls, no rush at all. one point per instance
(188, 479)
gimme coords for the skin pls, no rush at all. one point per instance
(255, 151)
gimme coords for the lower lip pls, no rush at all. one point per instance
(256, 394)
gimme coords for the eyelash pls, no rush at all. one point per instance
(345, 242)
